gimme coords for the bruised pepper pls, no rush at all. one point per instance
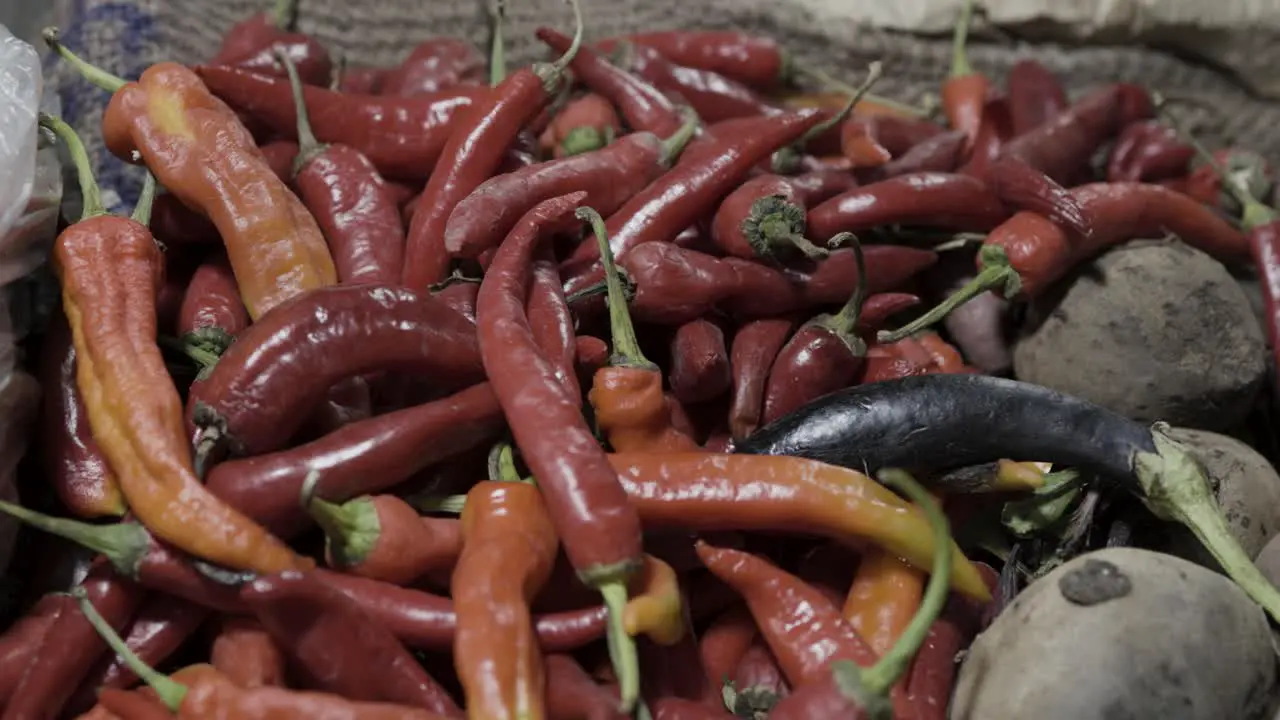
(110, 270)
(626, 394)
(206, 158)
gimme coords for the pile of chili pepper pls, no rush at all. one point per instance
(412, 392)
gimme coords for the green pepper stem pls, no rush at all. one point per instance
(94, 74)
(170, 692)
(823, 78)
(997, 273)
(882, 676)
(284, 14)
(308, 146)
(198, 354)
(844, 322)
(502, 463)
(622, 647)
(497, 44)
(123, 544)
(91, 196)
(1255, 212)
(583, 140)
(626, 348)
(146, 199)
(960, 66)
(564, 60)
(874, 71)
(674, 145)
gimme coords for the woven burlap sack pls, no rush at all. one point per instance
(125, 37)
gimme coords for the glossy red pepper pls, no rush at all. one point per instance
(250, 43)
(875, 140)
(245, 652)
(755, 349)
(931, 680)
(1148, 151)
(212, 313)
(941, 153)
(358, 80)
(643, 107)
(21, 642)
(402, 137)
(280, 156)
(699, 368)
(471, 155)
(754, 60)
(766, 215)
(1022, 187)
(996, 130)
(964, 93)
(435, 64)
(712, 95)
(1036, 96)
(585, 123)
(938, 200)
(551, 322)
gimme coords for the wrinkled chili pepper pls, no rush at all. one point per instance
(600, 531)
(585, 123)
(755, 349)
(1148, 151)
(939, 200)
(699, 367)
(610, 177)
(643, 107)
(381, 536)
(1022, 187)
(245, 652)
(964, 94)
(470, 157)
(712, 95)
(109, 269)
(572, 694)
(257, 395)
(509, 548)
(1036, 96)
(435, 64)
(310, 620)
(875, 140)
(73, 462)
(349, 200)
(212, 313)
(626, 394)
(765, 216)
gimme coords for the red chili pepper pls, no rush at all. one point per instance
(402, 137)
(359, 218)
(757, 678)
(250, 42)
(875, 140)
(941, 153)
(931, 680)
(572, 694)
(1022, 187)
(946, 358)
(1148, 151)
(244, 651)
(995, 131)
(724, 643)
(940, 200)
(459, 293)
(338, 645)
(699, 368)
(551, 322)
(679, 198)
(755, 349)
(753, 60)
(258, 30)
(361, 458)
(765, 216)
(1036, 96)
(254, 402)
(359, 80)
(643, 107)
(73, 463)
(964, 94)
(175, 224)
(280, 156)
(610, 177)
(585, 123)
(470, 157)
(439, 63)
(712, 95)
(1249, 169)
(21, 642)
(212, 313)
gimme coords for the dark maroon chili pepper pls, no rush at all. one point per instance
(71, 646)
(610, 177)
(402, 137)
(699, 368)
(1036, 96)
(339, 646)
(758, 677)
(72, 461)
(941, 153)
(433, 65)
(362, 458)
(832, 281)
(931, 679)
(425, 621)
(642, 106)
(360, 80)
(21, 641)
(875, 140)
(471, 155)
(674, 670)
(679, 416)
(996, 130)
(590, 354)
(753, 60)
(401, 193)
(346, 402)
(765, 216)
(712, 95)
(1148, 151)
(212, 313)
(313, 61)
(258, 30)
(280, 156)
(677, 708)
(257, 396)
(944, 201)
(755, 348)
(572, 694)
(162, 625)
(176, 225)
(459, 293)
(551, 322)
(681, 197)
(1021, 187)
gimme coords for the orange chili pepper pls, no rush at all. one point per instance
(946, 358)
(509, 549)
(964, 94)
(656, 609)
(110, 269)
(885, 595)
(206, 158)
(626, 394)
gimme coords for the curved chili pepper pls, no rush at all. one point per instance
(1148, 151)
(256, 397)
(212, 313)
(931, 680)
(753, 60)
(364, 457)
(381, 536)
(1036, 96)
(678, 199)
(459, 293)
(600, 531)
(585, 123)
(610, 177)
(765, 216)
(471, 155)
(509, 548)
(644, 107)
(402, 137)
(826, 137)
(73, 462)
(250, 42)
(349, 201)
(724, 643)
(244, 651)
(1022, 187)
(312, 60)
(551, 322)
(656, 609)
(572, 694)
(21, 642)
(995, 131)
(258, 30)
(426, 621)
(712, 96)
(964, 94)
(875, 140)
(699, 362)
(109, 269)
(940, 200)
(435, 64)
(942, 153)
(310, 619)
(885, 595)
(71, 646)
(755, 349)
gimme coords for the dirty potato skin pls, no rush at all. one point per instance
(1154, 330)
(1143, 636)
